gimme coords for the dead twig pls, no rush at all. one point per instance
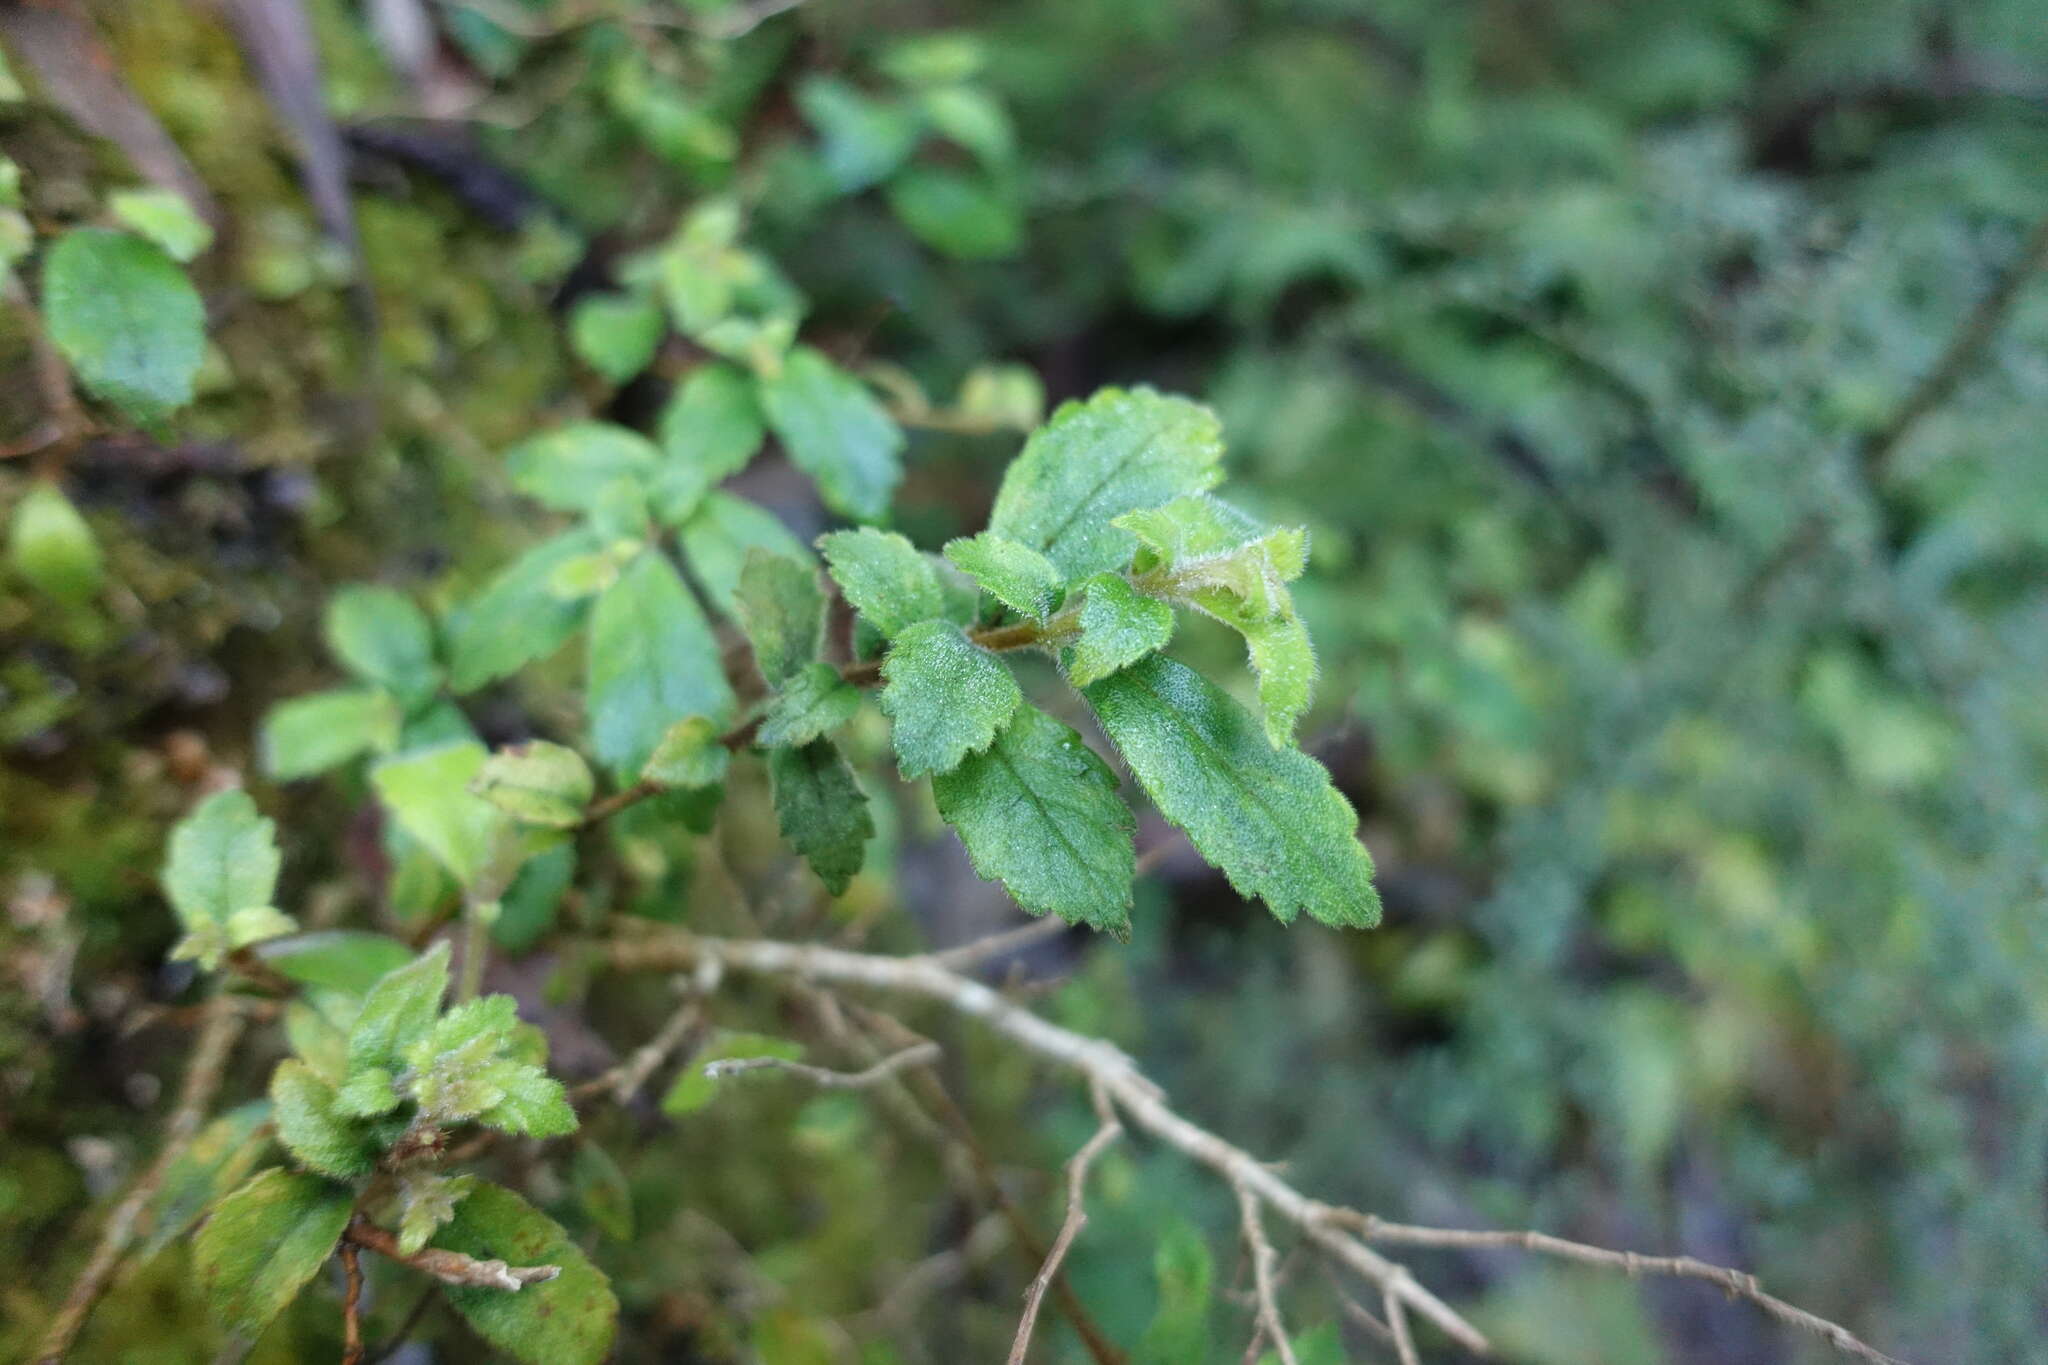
(1262, 1255)
(1397, 1326)
(1077, 1218)
(449, 1267)
(824, 1077)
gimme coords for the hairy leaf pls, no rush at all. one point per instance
(1039, 812)
(836, 432)
(1269, 818)
(1019, 577)
(126, 318)
(653, 660)
(217, 1160)
(312, 1125)
(426, 1202)
(884, 577)
(813, 703)
(1118, 626)
(721, 534)
(569, 1320)
(780, 608)
(1096, 460)
(517, 618)
(946, 696)
(311, 734)
(398, 1012)
(822, 810)
(265, 1242)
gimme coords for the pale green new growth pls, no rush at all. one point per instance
(1117, 452)
(782, 612)
(126, 318)
(690, 755)
(575, 468)
(836, 432)
(652, 661)
(428, 793)
(313, 733)
(1016, 575)
(265, 1242)
(567, 1320)
(815, 702)
(398, 1011)
(1269, 818)
(1118, 626)
(946, 696)
(220, 876)
(164, 217)
(51, 545)
(822, 810)
(884, 577)
(1039, 812)
(427, 1202)
(537, 782)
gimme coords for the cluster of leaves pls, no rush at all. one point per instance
(383, 1071)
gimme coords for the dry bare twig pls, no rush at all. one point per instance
(449, 1267)
(824, 1077)
(1077, 1218)
(1397, 1327)
(1261, 1251)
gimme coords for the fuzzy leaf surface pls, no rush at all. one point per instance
(822, 810)
(1119, 626)
(265, 1242)
(782, 612)
(947, 697)
(569, 1320)
(813, 703)
(1016, 575)
(884, 577)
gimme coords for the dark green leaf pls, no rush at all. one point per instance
(836, 432)
(813, 703)
(1119, 626)
(653, 661)
(569, 1320)
(265, 1242)
(782, 612)
(884, 577)
(1268, 817)
(1039, 812)
(527, 909)
(947, 697)
(126, 318)
(218, 1159)
(822, 810)
(348, 960)
(1096, 460)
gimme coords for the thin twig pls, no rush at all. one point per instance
(449, 1267)
(973, 954)
(1142, 1101)
(352, 1305)
(1736, 1283)
(1397, 1325)
(624, 1081)
(203, 1074)
(1077, 1218)
(1262, 1271)
(824, 1077)
(1960, 356)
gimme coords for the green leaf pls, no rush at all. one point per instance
(836, 432)
(256, 923)
(1096, 460)
(126, 318)
(863, 138)
(367, 1094)
(538, 782)
(1119, 626)
(382, 638)
(516, 618)
(965, 214)
(602, 1191)
(223, 858)
(1269, 818)
(527, 909)
(1039, 812)
(399, 1011)
(219, 1158)
(51, 546)
(822, 810)
(265, 1242)
(616, 334)
(1191, 527)
(815, 702)
(974, 119)
(163, 217)
(691, 755)
(709, 430)
(468, 1066)
(653, 660)
(426, 1203)
(568, 1320)
(313, 1127)
(575, 468)
(884, 577)
(947, 696)
(692, 1089)
(1286, 664)
(1019, 577)
(720, 535)
(428, 793)
(311, 734)
(347, 960)
(780, 608)
(534, 1105)
(1179, 1330)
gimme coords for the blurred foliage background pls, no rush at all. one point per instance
(1686, 667)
